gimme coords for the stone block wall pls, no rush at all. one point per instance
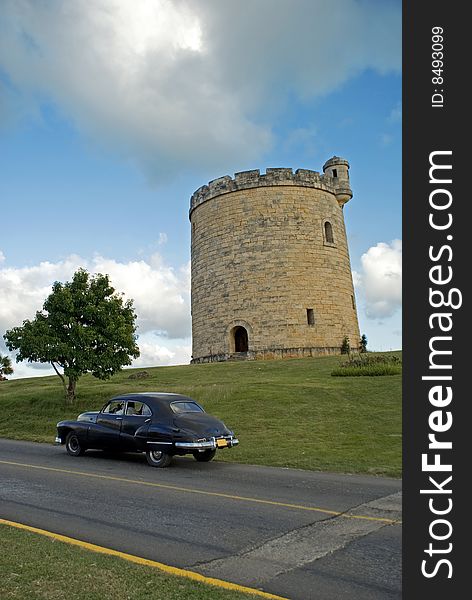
(260, 260)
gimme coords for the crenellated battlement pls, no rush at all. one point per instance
(339, 186)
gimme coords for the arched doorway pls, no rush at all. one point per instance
(241, 342)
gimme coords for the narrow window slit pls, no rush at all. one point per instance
(328, 231)
(310, 316)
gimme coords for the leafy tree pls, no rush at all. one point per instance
(346, 346)
(5, 367)
(84, 327)
(363, 343)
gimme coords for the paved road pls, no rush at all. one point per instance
(299, 534)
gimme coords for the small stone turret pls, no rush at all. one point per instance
(338, 169)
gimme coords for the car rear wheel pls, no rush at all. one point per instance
(73, 446)
(204, 456)
(157, 458)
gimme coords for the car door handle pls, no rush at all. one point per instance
(119, 419)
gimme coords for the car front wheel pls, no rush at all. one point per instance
(73, 446)
(157, 458)
(204, 456)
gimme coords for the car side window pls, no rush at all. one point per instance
(138, 408)
(115, 407)
(146, 411)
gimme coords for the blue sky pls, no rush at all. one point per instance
(102, 144)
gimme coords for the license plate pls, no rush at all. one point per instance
(221, 443)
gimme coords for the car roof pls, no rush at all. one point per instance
(154, 398)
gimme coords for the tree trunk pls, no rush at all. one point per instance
(71, 390)
(62, 379)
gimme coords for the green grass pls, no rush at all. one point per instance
(367, 370)
(288, 413)
(369, 364)
(33, 566)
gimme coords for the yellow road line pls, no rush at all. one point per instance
(227, 585)
(204, 492)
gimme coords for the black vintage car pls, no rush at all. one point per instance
(160, 424)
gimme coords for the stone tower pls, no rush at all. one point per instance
(271, 275)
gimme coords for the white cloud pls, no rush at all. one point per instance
(396, 113)
(182, 84)
(380, 280)
(161, 294)
(156, 350)
(302, 138)
(386, 139)
(161, 297)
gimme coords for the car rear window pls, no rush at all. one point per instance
(183, 407)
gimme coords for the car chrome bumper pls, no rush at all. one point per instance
(196, 445)
(206, 444)
(57, 441)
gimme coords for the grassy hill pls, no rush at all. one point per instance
(289, 413)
